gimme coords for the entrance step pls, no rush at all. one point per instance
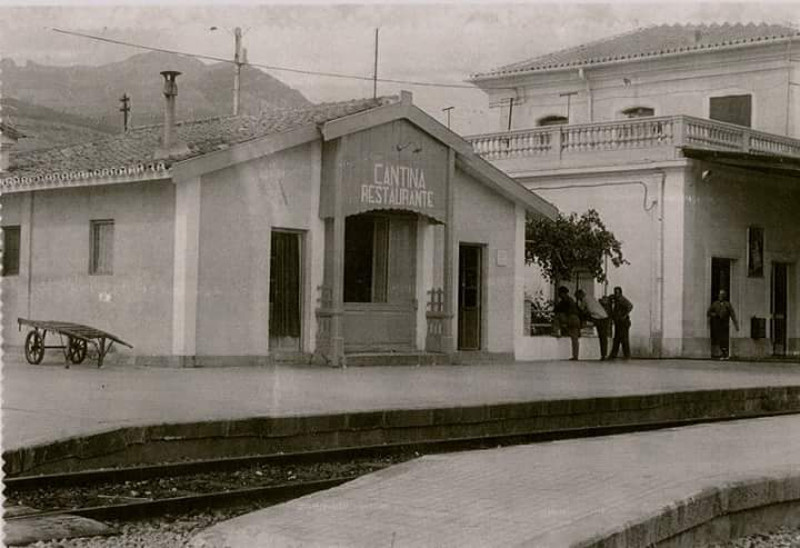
(397, 358)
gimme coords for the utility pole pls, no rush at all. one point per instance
(375, 70)
(125, 109)
(447, 110)
(237, 33)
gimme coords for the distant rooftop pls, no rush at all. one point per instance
(10, 131)
(135, 149)
(649, 42)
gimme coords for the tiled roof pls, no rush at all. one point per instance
(647, 43)
(134, 150)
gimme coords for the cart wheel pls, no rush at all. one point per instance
(77, 350)
(34, 348)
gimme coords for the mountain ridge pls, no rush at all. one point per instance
(45, 98)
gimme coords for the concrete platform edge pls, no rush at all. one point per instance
(150, 444)
(732, 510)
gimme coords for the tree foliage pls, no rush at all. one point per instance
(567, 244)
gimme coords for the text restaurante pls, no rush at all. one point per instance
(397, 185)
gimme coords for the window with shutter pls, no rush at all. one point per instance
(734, 109)
(101, 252)
(11, 250)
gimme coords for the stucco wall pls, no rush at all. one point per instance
(240, 206)
(135, 302)
(629, 205)
(483, 217)
(670, 86)
(722, 207)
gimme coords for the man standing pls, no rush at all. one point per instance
(620, 314)
(719, 314)
(568, 317)
(593, 310)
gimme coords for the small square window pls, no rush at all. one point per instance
(101, 257)
(11, 250)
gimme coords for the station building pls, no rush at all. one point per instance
(686, 140)
(322, 232)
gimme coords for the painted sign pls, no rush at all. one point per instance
(394, 166)
(397, 185)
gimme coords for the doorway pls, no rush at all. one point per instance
(470, 267)
(284, 292)
(720, 277)
(779, 307)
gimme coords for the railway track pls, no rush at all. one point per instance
(174, 488)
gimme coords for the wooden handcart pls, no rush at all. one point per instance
(75, 340)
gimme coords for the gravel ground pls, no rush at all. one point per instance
(782, 538)
(180, 486)
(176, 532)
(168, 532)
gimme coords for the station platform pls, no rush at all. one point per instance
(678, 487)
(606, 491)
(45, 403)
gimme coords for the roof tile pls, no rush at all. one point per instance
(137, 146)
(648, 42)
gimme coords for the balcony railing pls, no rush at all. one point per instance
(670, 132)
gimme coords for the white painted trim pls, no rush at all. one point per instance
(519, 279)
(186, 267)
(424, 277)
(528, 176)
(56, 181)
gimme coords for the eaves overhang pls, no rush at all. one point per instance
(784, 165)
(500, 74)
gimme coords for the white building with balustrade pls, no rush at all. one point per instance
(686, 139)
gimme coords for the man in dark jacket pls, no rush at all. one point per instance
(620, 315)
(719, 314)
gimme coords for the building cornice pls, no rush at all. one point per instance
(95, 177)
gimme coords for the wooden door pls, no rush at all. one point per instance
(284, 292)
(469, 297)
(779, 307)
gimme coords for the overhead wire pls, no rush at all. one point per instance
(271, 67)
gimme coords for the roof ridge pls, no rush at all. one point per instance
(633, 44)
(569, 49)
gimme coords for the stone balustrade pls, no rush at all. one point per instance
(668, 132)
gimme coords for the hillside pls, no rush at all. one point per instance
(44, 127)
(84, 100)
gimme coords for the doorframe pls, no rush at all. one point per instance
(483, 271)
(789, 266)
(304, 262)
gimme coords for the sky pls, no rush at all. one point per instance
(419, 41)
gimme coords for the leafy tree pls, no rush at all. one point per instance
(571, 243)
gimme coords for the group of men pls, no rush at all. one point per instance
(615, 309)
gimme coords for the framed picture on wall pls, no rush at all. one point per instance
(755, 252)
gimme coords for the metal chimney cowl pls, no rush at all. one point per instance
(171, 146)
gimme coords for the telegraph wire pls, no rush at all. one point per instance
(271, 67)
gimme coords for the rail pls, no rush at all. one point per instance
(667, 132)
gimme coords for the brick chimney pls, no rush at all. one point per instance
(170, 144)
